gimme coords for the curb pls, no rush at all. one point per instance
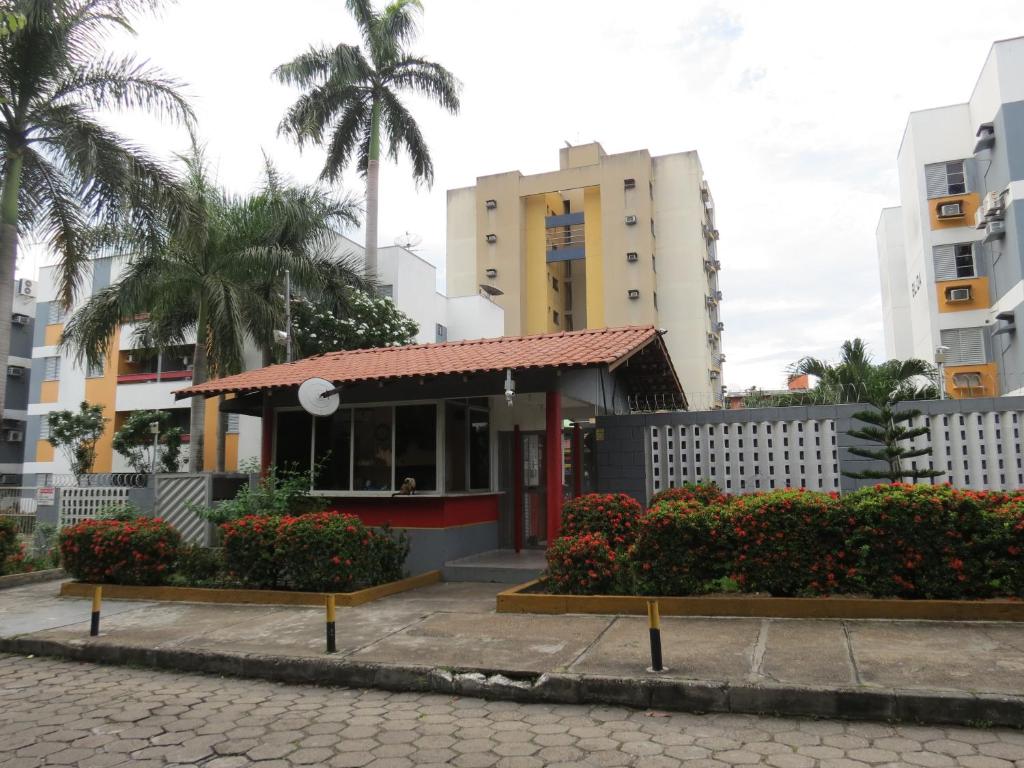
(885, 704)
(32, 577)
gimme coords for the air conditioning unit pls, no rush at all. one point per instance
(14, 435)
(631, 219)
(994, 230)
(951, 210)
(632, 256)
(491, 238)
(958, 294)
(991, 207)
(633, 293)
(19, 319)
(15, 371)
(26, 288)
(629, 184)
(713, 375)
(490, 204)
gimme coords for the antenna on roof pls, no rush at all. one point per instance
(408, 240)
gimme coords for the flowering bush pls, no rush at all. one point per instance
(705, 494)
(331, 551)
(1005, 547)
(679, 549)
(919, 541)
(8, 542)
(582, 564)
(250, 550)
(785, 542)
(139, 551)
(613, 514)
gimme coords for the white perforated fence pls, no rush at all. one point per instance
(86, 503)
(746, 456)
(977, 449)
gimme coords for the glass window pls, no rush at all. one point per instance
(955, 180)
(479, 449)
(372, 449)
(455, 446)
(467, 445)
(52, 369)
(294, 433)
(416, 445)
(964, 255)
(333, 451)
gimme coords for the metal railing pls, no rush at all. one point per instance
(19, 505)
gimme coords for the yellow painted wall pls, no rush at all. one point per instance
(970, 201)
(989, 381)
(595, 256)
(979, 294)
(103, 391)
(210, 446)
(49, 391)
(535, 293)
(44, 450)
(51, 335)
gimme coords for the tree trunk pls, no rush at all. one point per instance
(372, 183)
(8, 261)
(197, 423)
(222, 429)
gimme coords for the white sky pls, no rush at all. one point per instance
(796, 109)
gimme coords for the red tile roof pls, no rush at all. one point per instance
(591, 347)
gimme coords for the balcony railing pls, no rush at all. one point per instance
(141, 378)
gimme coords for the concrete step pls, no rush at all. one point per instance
(499, 566)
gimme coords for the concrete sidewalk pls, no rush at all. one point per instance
(447, 637)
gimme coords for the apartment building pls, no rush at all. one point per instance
(19, 372)
(134, 378)
(951, 255)
(605, 240)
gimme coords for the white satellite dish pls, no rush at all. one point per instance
(408, 240)
(318, 397)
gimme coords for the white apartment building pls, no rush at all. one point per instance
(951, 255)
(132, 380)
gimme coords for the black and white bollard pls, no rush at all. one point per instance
(654, 624)
(332, 644)
(97, 599)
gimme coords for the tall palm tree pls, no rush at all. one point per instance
(63, 169)
(208, 281)
(350, 101)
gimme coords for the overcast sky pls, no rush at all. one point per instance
(796, 109)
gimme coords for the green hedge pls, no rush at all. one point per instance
(141, 551)
(912, 541)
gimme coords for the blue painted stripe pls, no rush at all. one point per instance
(566, 254)
(564, 220)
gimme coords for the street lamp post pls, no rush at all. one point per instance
(154, 427)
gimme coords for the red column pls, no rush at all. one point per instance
(517, 488)
(553, 462)
(267, 443)
(577, 461)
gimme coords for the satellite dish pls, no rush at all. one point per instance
(318, 397)
(408, 240)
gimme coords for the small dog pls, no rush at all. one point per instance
(407, 488)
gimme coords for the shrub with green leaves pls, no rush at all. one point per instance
(139, 551)
(582, 564)
(249, 545)
(1004, 548)
(680, 549)
(283, 491)
(705, 493)
(198, 565)
(8, 541)
(612, 514)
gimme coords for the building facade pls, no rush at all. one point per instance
(951, 256)
(606, 240)
(19, 374)
(136, 379)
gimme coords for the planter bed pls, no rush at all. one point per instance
(527, 598)
(248, 596)
(30, 577)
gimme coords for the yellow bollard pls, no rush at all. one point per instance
(97, 599)
(654, 624)
(332, 645)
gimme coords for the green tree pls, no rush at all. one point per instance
(350, 100)
(363, 321)
(75, 434)
(206, 284)
(134, 441)
(890, 429)
(63, 170)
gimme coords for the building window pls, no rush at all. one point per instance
(966, 345)
(94, 371)
(942, 179)
(416, 446)
(44, 427)
(555, 318)
(232, 423)
(554, 284)
(440, 333)
(387, 290)
(467, 445)
(54, 314)
(52, 370)
(372, 448)
(953, 262)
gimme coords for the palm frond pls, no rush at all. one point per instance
(403, 133)
(429, 79)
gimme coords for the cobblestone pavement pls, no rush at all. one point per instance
(61, 713)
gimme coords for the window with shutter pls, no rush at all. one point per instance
(52, 370)
(44, 427)
(966, 346)
(942, 179)
(954, 262)
(54, 314)
(95, 371)
(232, 423)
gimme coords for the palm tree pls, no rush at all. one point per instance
(350, 102)
(62, 169)
(209, 281)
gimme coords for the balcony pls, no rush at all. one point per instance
(141, 366)
(564, 237)
(141, 378)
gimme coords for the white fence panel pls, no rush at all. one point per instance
(85, 503)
